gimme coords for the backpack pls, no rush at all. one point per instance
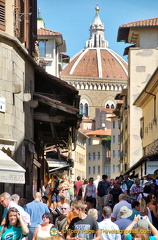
(101, 189)
(56, 184)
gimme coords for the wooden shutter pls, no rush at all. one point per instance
(2, 15)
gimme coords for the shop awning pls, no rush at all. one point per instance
(10, 171)
(55, 164)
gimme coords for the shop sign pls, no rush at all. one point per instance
(12, 177)
(151, 167)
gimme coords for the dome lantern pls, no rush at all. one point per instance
(97, 39)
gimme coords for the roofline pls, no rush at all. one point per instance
(83, 133)
(124, 31)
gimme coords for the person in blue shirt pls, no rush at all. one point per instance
(35, 209)
(14, 228)
(135, 210)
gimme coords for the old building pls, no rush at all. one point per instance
(115, 146)
(79, 156)
(98, 73)
(36, 109)
(98, 153)
(142, 57)
(17, 36)
(51, 46)
(148, 102)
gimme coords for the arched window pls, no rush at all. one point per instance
(110, 104)
(84, 107)
(81, 108)
(86, 110)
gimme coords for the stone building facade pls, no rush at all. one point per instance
(142, 62)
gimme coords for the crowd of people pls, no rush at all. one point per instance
(116, 209)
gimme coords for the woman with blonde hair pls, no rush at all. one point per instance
(144, 209)
(140, 233)
(63, 188)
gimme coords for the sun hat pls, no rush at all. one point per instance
(125, 212)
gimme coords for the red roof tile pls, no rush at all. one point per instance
(85, 64)
(142, 23)
(44, 31)
(100, 132)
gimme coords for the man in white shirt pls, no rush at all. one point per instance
(6, 201)
(116, 209)
(109, 230)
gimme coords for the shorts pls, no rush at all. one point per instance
(55, 197)
(91, 200)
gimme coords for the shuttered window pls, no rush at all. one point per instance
(2, 15)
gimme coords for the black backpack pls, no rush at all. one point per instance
(101, 189)
(56, 184)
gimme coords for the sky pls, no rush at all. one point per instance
(72, 18)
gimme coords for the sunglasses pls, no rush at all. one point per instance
(63, 208)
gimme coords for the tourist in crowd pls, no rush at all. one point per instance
(83, 223)
(128, 182)
(141, 231)
(114, 193)
(90, 194)
(63, 188)
(78, 188)
(6, 201)
(14, 227)
(96, 181)
(93, 213)
(71, 190)
(107, 224)
(103, 189)
(61, 221)
(116, 209)
(36, 209)
(46, 186)
(151, 204)
(15, 198)
(22, 203)
(135, 190)
(83, 188)
(124, 220)
(135, 210)
(55, 198)
(42, 230)
(145, 193)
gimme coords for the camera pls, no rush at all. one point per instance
(141, 217)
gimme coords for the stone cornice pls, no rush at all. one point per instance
(97, 80)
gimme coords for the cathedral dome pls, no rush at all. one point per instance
(96, 63)
(96, 60)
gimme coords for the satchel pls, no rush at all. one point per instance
(62, 193)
